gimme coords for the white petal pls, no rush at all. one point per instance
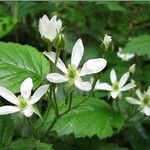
(56, 78)
(124, 79)
(52, 56)
(114, 94)
(103, 86)
(4, 110)
(128, 87)
(39, 93)
(26, 88)
(146, 110)
(28, 111)
(93, 66)
(84, 86)
(139, 94)
(59, 25)
(53, 19)
(77, 53)
(113, 76)
(148, 90)
(133, 101)
(8, 95)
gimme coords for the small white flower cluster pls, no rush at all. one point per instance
(49, 29)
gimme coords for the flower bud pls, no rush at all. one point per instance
(49, 29)
(59, 42)
(132, 69)
(107, 43)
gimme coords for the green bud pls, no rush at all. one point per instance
(59, 42)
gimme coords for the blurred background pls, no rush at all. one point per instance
(127, 22)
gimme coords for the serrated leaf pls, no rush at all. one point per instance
(139, 46)
(17, 62)
(6, 130)
(94, 117)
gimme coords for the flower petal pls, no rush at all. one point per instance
(39, 93)
(77, 53)
(26, 88)
(128, 87)
(124, 79)
(8, 95)
(58, 25)
(114, 94)
(53, 19)
(139, 94)
(133, 101)
(4, 110)
(28, 111)
(146, 110)
(148, 90)
(93, 66)
(113, 76)
(84, 86)
(52, 56)
(56, 78)
(103, 86)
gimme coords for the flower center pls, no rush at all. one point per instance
(146, 100)
(71, 72)
(22, 102)
(116, 86)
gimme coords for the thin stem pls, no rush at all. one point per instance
(55, 103)
(47, 111)
(56, 59)
(70, 100)
(118, 107)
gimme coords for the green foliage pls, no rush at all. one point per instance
(138, 137)
(139, 45)
(29, 144)
(17, 62)
(93, 117)
(7, 23)
(6, 130)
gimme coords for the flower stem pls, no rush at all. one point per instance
(55, 103)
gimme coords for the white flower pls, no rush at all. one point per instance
(117, 87)
(24, 102)
(124, 56)
(132, 69)
(107, 40)
(49, 28)
(72, 73)
(143, 101)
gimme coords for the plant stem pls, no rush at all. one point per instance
(55, 103)
(56, 59)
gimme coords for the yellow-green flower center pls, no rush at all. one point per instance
(71, 72)
(22, 102)
(146, 100)
(116, 86)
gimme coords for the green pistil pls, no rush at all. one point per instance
(71, 72)
(116, 86)
(147, 100)
(22, 102)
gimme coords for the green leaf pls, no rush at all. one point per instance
(6, 130)
(29, 144)
(139, 46)
(17, 62)
(7, 23)
(137, 136)
(94, 117)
